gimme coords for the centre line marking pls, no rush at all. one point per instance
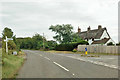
(61, 66)
(47, 58)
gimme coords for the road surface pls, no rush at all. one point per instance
(47, 65)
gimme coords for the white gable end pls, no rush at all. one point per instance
(104, 35)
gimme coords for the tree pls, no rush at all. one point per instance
(37, 37)
(38, 41)
(52, 44)
(63, 32)
(7, 32)
(76, 38)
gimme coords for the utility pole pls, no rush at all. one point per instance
(6, 40)
(43, 41)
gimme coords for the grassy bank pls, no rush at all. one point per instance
(11, 65)
(70, 52)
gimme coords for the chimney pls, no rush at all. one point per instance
(79, 30)
(88, 28)
(99, 27)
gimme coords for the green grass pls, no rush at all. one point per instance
(11, 65)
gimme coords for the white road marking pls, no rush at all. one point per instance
(94, 62)
(61, 66)
(47, 58)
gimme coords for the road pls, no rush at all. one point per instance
(47, 65)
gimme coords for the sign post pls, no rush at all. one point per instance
(86, 51)
(6, 40)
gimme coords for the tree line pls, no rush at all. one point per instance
(64, 35)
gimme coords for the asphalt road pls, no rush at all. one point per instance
(47, 65)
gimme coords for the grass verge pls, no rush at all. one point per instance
(11, 65)
(70, 52)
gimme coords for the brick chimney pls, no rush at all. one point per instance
(99, 27)
(79, 30)
(88, 29)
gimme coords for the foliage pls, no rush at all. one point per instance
(36, 42)
(51, 44)
(12, 45)
(7, 32)
(76, 38)
(74, 50)
(63, 32)
(110, 43)
(69, 46)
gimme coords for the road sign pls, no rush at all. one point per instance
(85, 49)
(6, 40)
(9, 39)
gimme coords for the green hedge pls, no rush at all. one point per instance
(69, 46)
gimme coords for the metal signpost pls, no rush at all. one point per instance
(86, 51)
(6, 40)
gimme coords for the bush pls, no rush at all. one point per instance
(110, 44)
(74, 50)
(69, 46)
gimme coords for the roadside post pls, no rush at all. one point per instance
(6, 40)
(86, 51)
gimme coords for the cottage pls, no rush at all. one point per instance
(96, 36)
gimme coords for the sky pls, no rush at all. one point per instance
(28, 17)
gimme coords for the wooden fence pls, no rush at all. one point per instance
(100, 49)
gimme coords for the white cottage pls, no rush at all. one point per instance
(96, 37)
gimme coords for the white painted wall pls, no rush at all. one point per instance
(90, 41)
(104, 35)
(110, 41)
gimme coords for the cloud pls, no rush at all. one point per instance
(27, 18)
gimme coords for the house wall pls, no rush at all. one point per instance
(104, 35)
(90, 41)
(110, 41)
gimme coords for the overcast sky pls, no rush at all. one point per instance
(28, 17)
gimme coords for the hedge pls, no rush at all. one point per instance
(69, 46)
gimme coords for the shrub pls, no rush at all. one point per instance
(74, 50)
(69, 46)
(110, 43)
